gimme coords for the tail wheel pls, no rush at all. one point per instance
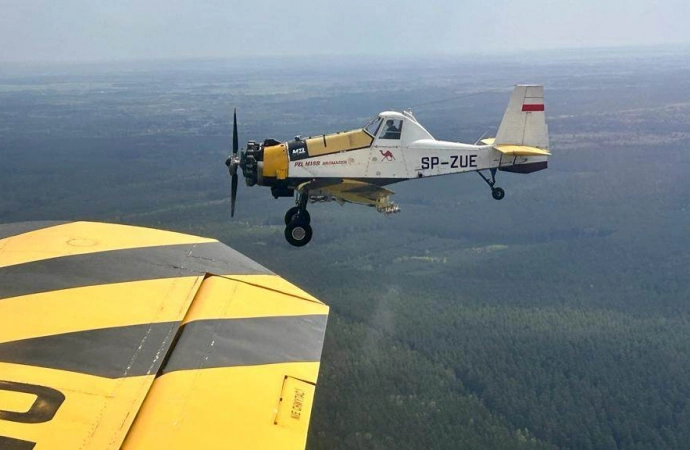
(292, 212)
(498, 193)
(298, 233)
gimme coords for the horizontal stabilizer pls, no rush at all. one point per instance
(488, 141)
(521, 150)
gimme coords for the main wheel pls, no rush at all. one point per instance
(498, 193)
(292, 212)
(298, 233)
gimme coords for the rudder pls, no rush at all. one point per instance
(524, 122)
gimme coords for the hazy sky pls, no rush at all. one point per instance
(84, 30)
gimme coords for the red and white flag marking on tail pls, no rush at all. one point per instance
(533, 107)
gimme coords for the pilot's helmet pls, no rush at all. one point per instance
(389, 122)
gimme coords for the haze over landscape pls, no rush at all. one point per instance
(557, 318)
(83, 30)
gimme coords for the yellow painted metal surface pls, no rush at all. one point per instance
(256, 399)
(18, 402)
(338, 142)
(96, 412)
(95, 307)
(521, 150)
(296, 399)
(225, 408)
(276, 161)
(78, 238)
(233, 407)
(252, 296)
(359, 192)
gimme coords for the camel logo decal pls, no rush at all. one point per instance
(387, 155)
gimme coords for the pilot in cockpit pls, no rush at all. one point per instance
(391, 131)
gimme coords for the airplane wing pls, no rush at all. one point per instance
(114, 336)
(352, 191)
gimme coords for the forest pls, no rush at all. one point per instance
(557, 318)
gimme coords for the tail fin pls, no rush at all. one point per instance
(524, 122)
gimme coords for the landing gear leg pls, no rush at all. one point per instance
(496, 192)
(297, 229)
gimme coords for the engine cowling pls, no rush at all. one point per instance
(249, 162)
(265, 164)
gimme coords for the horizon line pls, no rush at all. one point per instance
(348, 56)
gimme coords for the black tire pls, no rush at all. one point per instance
(498, 193)
(298, 234)
(292, 212)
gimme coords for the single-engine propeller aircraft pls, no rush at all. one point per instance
(354, 166)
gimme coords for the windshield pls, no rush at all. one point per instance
(372, 127)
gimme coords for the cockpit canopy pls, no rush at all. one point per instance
(392, 128)
(389, 126)
(372, 127)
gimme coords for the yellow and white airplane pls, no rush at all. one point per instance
(120, 337)
(354, 166)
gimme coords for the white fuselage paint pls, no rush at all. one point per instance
(415, 155)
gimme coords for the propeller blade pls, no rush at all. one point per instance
(232, 163)
(235, 142)
(233, 195)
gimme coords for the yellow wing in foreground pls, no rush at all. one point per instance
(123, 337)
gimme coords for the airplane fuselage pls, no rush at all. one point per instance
(363, 155)
(420, 159)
